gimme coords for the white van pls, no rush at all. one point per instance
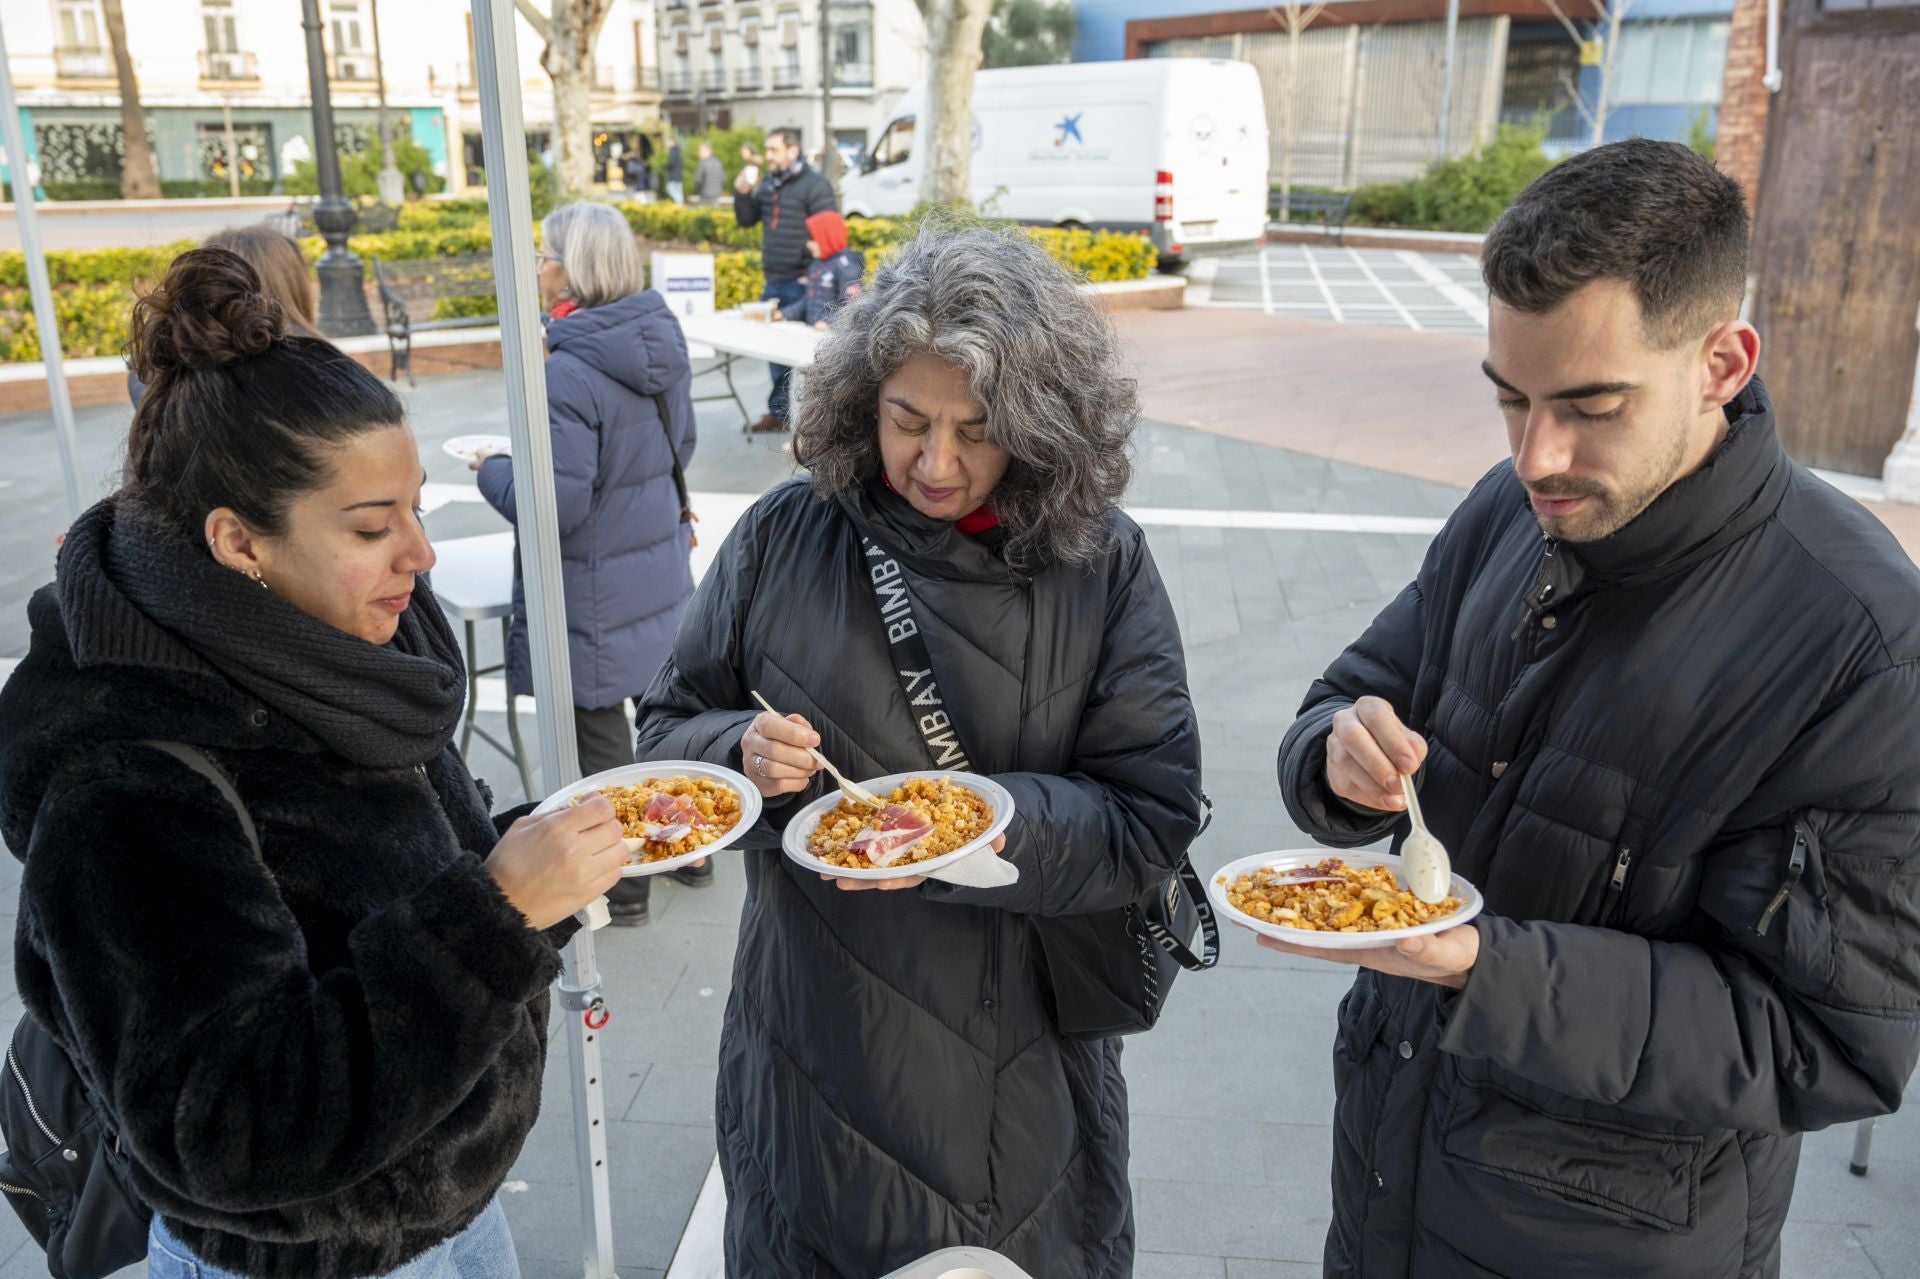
(1172, 147)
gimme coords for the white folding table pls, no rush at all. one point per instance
(473, 580)
(731, 336)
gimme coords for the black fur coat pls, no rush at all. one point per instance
(322, 1065)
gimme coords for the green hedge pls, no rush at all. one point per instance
(1466, 193)
(95, 288)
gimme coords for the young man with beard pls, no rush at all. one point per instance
(1659, 684)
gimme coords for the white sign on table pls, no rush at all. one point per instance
(685, 280)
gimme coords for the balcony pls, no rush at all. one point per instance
(853, 75)
(351, 68)
(713, 82)
(749, 80)
(679, 84)
(228, 67)
(83, 64)
(786, 79)
(646, 79)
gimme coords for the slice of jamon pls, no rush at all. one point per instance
(670, 817)
(900, 829)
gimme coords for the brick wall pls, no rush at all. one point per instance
(1743, 98)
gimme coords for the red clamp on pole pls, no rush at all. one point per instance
(597, 1015)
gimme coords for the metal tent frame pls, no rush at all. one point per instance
(496, 55)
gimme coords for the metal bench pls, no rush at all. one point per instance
(438, 289)
(1329, 208)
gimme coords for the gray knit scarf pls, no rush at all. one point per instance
(135, 591)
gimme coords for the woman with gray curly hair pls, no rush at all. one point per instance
(892, 1077)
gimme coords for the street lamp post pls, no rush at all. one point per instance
(343, 297)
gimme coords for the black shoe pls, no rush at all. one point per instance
(693, 876)
(627, 902)
(628, 914)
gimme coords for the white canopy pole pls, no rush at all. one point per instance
(39, 284)
(503, 138)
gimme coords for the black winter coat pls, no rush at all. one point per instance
(891, 1081)
(782, 203)
(1679, 763)
(321, 1064)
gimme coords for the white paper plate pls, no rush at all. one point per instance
(800, 829)
(466, 447)
(659, 770)
(1290, 859)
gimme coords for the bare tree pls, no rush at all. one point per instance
(138, 179)
(1609, 16)
(569, 31)
(1294, 18)
(954, 31)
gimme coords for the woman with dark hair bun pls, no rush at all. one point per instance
(264, 909)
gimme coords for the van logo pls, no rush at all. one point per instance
(1203, 129)
(1069, 127)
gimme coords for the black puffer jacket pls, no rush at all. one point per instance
(1687, 785)
(322, 1064)
(890, 1079)
(782, 203)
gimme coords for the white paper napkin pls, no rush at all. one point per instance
(984, 869)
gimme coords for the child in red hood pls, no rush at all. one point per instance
(835, 275)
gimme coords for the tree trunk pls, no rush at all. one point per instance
(569, 64)
(138, 180)
(1603, 100)
(954, 30)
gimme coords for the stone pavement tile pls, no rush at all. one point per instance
(646, 1228)
(1243, 1268)
(1892, 1247)
(1830, 1252)
(1265, 1222)
(1166, 1148)
(645, 1158)
(676, 1092)
(1167, 1265)
(1827, 1192)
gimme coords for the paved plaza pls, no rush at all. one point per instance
(1394, 288)
(1275, 558)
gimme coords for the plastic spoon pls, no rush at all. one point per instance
(1423, 859)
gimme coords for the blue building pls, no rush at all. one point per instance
(1367, 105)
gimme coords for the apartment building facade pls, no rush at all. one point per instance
(741, 63)
(203, 63)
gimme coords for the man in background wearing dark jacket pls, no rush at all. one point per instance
(1671, 742)
(676, 172)
(791, 192)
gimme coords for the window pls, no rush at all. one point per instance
(347, 33)
(223, 33)
(895, 145)
(1670, 63)
(80, 25)
(790, 30)
(853, 51)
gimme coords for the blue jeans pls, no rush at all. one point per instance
(484, 1250)
(786, 295)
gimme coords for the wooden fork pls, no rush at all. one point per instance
(852, 790)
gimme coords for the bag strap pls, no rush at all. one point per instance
(679, 474)
(1187, 878)
(198, 760)
(911, 661)
(914, 665)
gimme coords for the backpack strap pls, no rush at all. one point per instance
(200, 762)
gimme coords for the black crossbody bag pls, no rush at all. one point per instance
(1109, 972)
